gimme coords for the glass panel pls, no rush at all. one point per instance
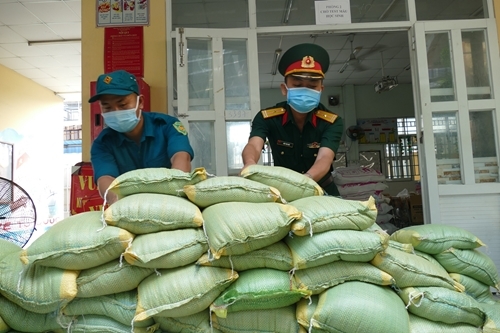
(237, 137)
(445, 129)
(6, 160)
(484, 150)
(200, 75)
(450, 9)
(202, 139)
(477, 73)
(299, 12)
(441, 79)
(236, 75)
(174, 69)
(210, 14)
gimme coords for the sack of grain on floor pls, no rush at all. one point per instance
(99, 324)
(258, 289)
(305, 309)
(23, 320)
(318, 279)
(78, 242)
(7, 247)
(112, 277)
(278, 320)
(196, 323)
(410, 270)
(155, 180)
(145, 213)
(422, 325)
(326, 213)
(230, 189)
(36, 288)
(333, 245)
(363, 306)
(291, 184)
(492, 310)
(478, 290)
(472, 263)
(167, 249)
(436, 238)
(120, 307)
(276, 256)
(235, 228)
(443, 305)
(182, 291)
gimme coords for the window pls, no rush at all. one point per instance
(401, 158)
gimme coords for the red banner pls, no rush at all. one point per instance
(124, 49)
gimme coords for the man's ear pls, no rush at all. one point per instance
(141, 102)
(283, 89)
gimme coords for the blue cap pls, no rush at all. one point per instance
(119, 83)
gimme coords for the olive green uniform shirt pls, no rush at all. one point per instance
(297, 150)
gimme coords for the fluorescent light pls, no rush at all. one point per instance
(276, 58)
(55, 41)
(288, 9)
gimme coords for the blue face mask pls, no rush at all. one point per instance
(122, 121)
(303, 100)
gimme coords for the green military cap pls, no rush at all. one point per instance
(309, 60)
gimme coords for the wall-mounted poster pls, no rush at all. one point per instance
(6, 160)
(122, 12)
(383, 130)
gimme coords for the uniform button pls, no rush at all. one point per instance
(315, 155)
(282, 153)
(300, 155)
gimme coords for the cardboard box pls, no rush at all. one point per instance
(416, 210)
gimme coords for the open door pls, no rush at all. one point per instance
(217, 93)
(457, 102)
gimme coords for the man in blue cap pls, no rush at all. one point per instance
(133, 139)
(304, 136)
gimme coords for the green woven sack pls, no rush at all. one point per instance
(196, 323)
(110, 278)
(235, 228)
(167, 249)
(410, 270)
(474, 288)
(4, 328)
(155, 180)
(408, 248)
(100, 324)
(120, 307)
(277, 256)
(360, 307)
(472, 263)
(330, 213)
(305, 309)
(291, 184)
(279, 320)
(145, 213)
(7, 247)
(181, 291)
(23, 320)
(422, 325)
(436, 238)
(230, 189)
(78, 242)
(38, 289)
(318, 279)
(443, 305)
(492, 310)
(333, 245)
(258, 289)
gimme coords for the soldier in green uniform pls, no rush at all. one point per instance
(304, 135)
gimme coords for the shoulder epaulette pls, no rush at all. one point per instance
(269, 113)
(326, 116)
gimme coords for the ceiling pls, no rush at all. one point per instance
(57, 66)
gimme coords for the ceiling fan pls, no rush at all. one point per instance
(387, 82)
(353, 60)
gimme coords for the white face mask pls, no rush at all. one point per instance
(303, 100)
(122, 121)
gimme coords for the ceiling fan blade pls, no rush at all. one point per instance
(373, 50)
(359, 66)
(356, 50)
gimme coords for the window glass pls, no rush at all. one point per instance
(477, 73)
(441, 78)
(450, 9)
(237, 137)
(209, 14)
(484, 150)
(200, 75)
(447, 149)
(202, 139)
(236, 80)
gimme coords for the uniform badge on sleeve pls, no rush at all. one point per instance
(180, 128)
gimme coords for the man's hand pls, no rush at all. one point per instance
(251, 152)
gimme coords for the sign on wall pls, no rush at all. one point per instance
(383, 130)
(122, 12)
(123, 49)
(333, 12)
